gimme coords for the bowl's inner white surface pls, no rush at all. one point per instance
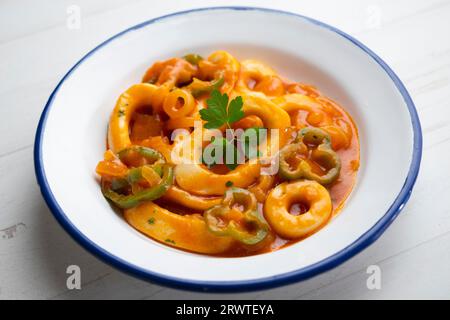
(74, 136)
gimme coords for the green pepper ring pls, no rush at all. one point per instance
(323, 152)
(232, 196)
(209, 86)
(134, 175)
(147, 153)
(193, 58)
(148, 194)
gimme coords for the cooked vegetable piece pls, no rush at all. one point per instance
(199, 87)
(111, 169)
(247, 225)
(193, 58)
(321, 152)
(143, 153)
(147, 194)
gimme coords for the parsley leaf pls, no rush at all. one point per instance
(242, 147)
(235, 112)
(219, 113)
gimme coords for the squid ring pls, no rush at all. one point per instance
(187, 232)
(296, 101)
(317, 116)
(271, 115)
(252, 70)
(136, 96)
(221, 64)
(199, 180)
(178, 103)
(189, 200)
(181, 123)
(263, 185)
(280, 199)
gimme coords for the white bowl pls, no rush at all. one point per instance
(70, 140)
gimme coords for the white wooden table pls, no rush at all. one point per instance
(36, 49)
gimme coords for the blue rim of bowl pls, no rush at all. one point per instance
(247, 285)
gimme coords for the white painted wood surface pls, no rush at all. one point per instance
(37, 48)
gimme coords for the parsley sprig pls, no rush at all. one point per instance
(220, 112)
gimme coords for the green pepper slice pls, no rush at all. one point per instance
(148, 194)
(147, 153)
(216, 215)
(321, 152)
(135, 174)
(199, 87)
(193, 58)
